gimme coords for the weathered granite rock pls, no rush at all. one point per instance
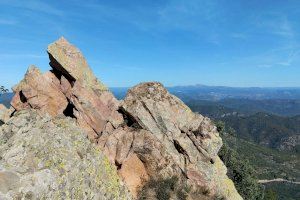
(70, 89)
(69, 61)
(39, 91)
(150, 135)
(190, 139)
(93, 104)
(50, 158)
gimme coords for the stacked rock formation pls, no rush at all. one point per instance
(151, 134)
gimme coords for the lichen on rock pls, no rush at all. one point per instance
(50, 158)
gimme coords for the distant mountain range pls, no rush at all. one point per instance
(278, 101)
(220, 92)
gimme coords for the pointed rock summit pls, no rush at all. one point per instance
(67, 60)
(150, 136)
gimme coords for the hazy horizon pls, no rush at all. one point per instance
(219, 43)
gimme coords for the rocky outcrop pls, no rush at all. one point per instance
(50, 158)
(190, 142)
(289, 143)
(151, 135)
(70, 88)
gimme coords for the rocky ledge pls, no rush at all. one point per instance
(149, 137)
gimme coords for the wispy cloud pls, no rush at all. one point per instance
(264, 65)
(239, 35)
(276, 24)
(17, 55)
(192, 15)
(293, 55)
(283, 58)
(33, 5)
(7, 22)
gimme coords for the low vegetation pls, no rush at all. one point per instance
(171, 188)
(239, 170)
(267, 163)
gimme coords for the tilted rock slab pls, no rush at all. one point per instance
(68, 60)
(50, 158)
(149, 135)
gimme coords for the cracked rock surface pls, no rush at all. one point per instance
(50, 158)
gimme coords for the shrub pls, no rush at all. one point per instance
(270, 195)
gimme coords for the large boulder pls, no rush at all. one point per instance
(50, 158)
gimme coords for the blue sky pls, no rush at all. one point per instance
(178, 42)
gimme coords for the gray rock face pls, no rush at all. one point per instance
(51, 158)
(189, 141)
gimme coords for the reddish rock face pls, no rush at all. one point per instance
(40, 92)
(70, 89)
(134, 174)
(150, 135)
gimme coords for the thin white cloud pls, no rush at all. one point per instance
(7, 22)
(294, 55)
(264, 65)
(173, 15)
(16, 55)
(276, 24)
(33, 5)
(284, 28)
(239, 35)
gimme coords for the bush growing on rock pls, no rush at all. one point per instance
(171, 188)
